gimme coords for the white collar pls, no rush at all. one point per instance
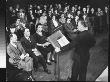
(28, 38)
(55, 23)
(40, 33)
(13, 44)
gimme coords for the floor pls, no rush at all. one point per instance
(103, 76)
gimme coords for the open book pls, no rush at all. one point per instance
(63, 41)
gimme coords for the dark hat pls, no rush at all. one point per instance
(13, 25)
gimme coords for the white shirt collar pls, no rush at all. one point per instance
(28, 38)
(13, 44)
(55, 23)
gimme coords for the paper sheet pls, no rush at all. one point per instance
(63, 41)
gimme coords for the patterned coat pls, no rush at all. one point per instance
(15, 53)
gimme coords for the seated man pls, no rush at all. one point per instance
(17, 55)
(30, 47)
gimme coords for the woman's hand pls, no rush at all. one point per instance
(46, 44)
(43, 45)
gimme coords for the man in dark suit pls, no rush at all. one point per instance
(30, 47)
(82, 44)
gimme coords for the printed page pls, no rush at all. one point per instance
(63, 41)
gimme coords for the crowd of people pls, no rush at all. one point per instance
(96, 18)
(27, 30)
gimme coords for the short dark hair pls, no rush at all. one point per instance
(13, 25)
(53, 15)
(11, 35)
(37, 26)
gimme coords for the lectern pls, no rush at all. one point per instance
(58, 40)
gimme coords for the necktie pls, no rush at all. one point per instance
(16, 44)
(29, 39)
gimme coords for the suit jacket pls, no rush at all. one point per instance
(27, 45)
(52, 27)
(83, 42)
(15, 53)
(69, 28)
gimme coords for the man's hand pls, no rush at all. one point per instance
(36, 52)
(27, 55)
(22, 56)
(75, 30)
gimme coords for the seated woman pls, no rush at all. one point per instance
(43, 21)
(43, 45)
(17, 55)
(54, 25)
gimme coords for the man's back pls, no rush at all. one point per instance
(84, 42)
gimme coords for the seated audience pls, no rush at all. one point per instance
(30, 47)
(17, 55)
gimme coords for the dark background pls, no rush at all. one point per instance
(94, 3)
(2, 10)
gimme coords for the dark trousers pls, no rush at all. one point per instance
(42, 61)
(45, 51)
(39, 60)
(79, 69)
